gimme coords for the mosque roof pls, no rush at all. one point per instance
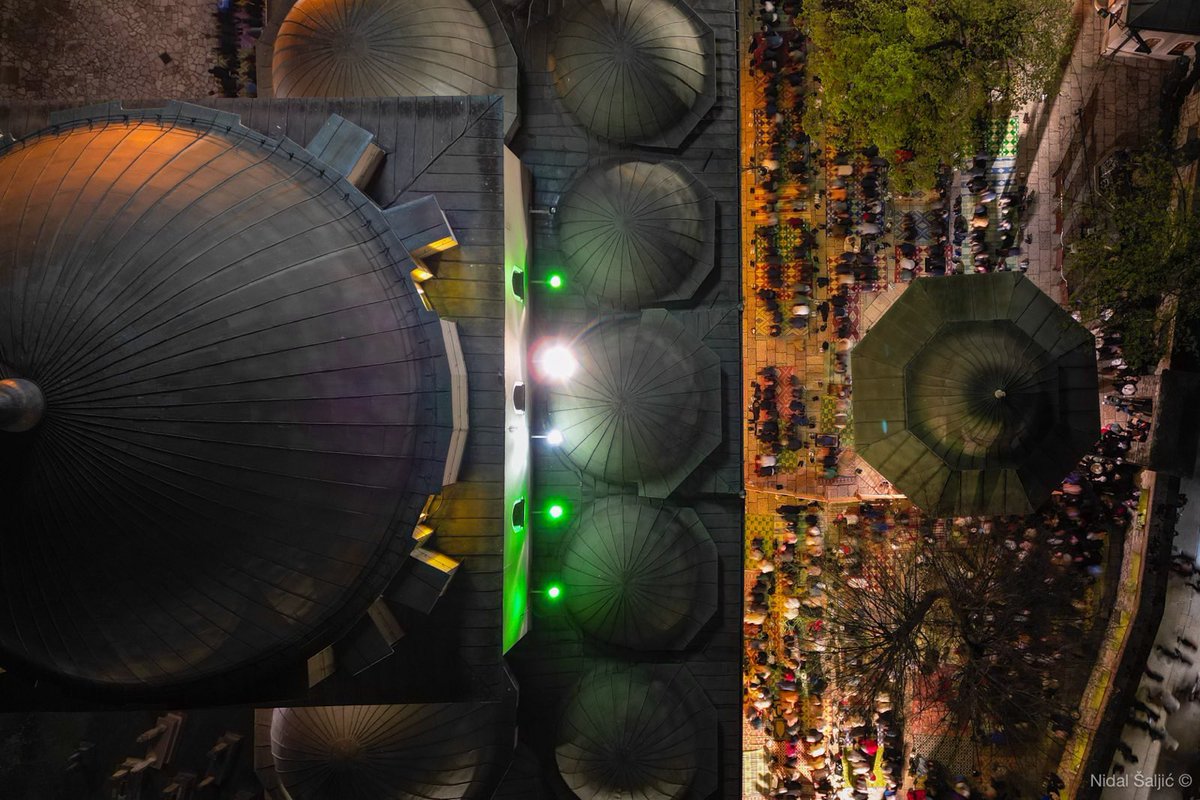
(635, 71)
(632, 731)
(640, 574)
(386, 48)
(635, 233)
(449, 751)
(245, 401)
(644, 406)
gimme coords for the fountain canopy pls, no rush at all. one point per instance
(975, 394)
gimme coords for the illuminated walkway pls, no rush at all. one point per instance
(1181, 617)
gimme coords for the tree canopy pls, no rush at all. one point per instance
(925, 75)
(1141, 247)
(977, 631)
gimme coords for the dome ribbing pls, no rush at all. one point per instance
(394, 48)
(239, 384)
(421, 751)
(631, 732)
(644, 406)
(975, 394)
(640, 574)
(637, 71)
(635, 233)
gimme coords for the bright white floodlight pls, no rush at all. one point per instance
(558, 363)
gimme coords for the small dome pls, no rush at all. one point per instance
(639, 574)
(394, 48)
(644, 406)
(238, 385)
(424, 751)
(637, 71)
(636, 234)
(628, 732)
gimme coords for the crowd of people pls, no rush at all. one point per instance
(787, 286)
(239, 25)
(821, 236)
(988, 239)
(786, 171)
(794, 291)
(941, 238)
(916, 257)
(819, 748)
(785, 244)
(855, 195)
(781, 422)
(1071, 533)
(855, 216)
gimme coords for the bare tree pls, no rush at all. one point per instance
(971, 631)
(879, 626)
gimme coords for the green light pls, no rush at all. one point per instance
(553, 592)
(555, 511)
(555, 281)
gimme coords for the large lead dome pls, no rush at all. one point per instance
(640, 574)
(239, 397)
(644, 407)
(638, 732)
(390, 48)
(635, 233)
(422, 751)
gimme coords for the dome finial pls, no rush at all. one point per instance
(21, 405)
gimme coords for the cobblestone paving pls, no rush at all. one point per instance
(96, 50)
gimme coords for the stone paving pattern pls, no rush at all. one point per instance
(95, 50)
(799, 350)
(1102, 103)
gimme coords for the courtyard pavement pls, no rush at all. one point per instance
(1102, 103)
(1181, 617)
